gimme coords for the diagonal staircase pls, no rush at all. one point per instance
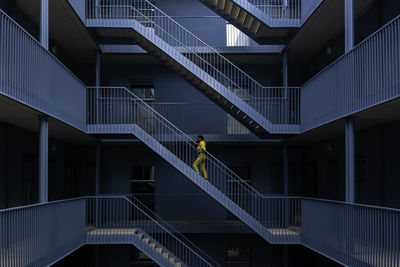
(265, 21)
(118, 220)
(208, 71)
(116, 110)
(258, 17)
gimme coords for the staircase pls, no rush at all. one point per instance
(265, 21)
(118, 220)
(116, 110)
(208, 71)
(259, 17)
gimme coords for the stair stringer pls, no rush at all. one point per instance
(192, 175)
(132, 239)
(139, 31)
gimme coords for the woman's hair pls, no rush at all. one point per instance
(201, 137)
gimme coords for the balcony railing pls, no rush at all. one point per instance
(352, 234)
(31, 75)
(279, 9)
(365, 77)
(223, 34)
(194, 54)
(38, 235)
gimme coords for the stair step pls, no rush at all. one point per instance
(140, 235)
(247, 23)
(228, 8)
(235, 12)
(241, 17)
(165, 254)
(153, 245)
(172, 260)
(159, 250)
(255, 26)
(221, 4)
(178, 264)
(147, 240)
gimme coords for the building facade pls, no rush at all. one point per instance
(102, 101)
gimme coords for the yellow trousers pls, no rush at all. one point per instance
(201, 159)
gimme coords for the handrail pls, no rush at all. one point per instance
(173, 127)
(350, 51)
(171, 229)
(236, 81)
(167, 239)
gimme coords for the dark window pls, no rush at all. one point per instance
(145, 91)
(29, 178)
(238, 257)
(234, 187)
(360, 176)
(143, 180)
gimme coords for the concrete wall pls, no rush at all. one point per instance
(374, 18)
(71, 172)
(377, 168)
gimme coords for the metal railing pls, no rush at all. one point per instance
(31, 75)
(366, 76)
(352, 234)
(40, 234)
(205, 62)
(282, 214)
(279, 9)
(171, 229)
(208, 118)
(111, 107)
(114, 214)
(223, 34)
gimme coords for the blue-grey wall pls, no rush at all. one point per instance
(374, 18)
(71, 167)
(119, 160)
(377, 167)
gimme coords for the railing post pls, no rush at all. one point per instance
(285, 95)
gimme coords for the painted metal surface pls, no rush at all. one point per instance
(38, 235)
(119, 220)
(367, 76)
(42, 234)
(229, 83)
(117, 110)
(31, 75)
(352, 234)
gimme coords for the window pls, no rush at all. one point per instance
(142, 182)
(238, 257)
(233, 126)
(234, 37)
(360, 177)
(144, 91)
(29, 177)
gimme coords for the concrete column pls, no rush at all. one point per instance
(43, 158)
(98, 162)
(44, 23)
(350, 161)
(349, 24)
